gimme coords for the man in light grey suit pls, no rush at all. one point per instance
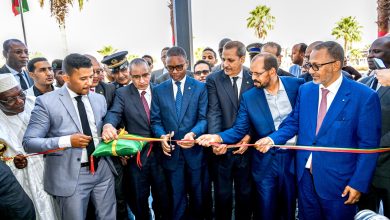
(71, 118)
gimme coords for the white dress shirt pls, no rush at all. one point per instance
(148, 95)
(333, 89)
(183, 81)
(64, 141)
(15, 73)
(239, 81)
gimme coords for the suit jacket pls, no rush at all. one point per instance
(127, 106)
(254, 110)
(155, 75)
(107, 90)
(164, 77)
(223, 108)
(4, 69)
(54, 116)
(282, 72)
(192, 119)
(352, 121)
(383, 164)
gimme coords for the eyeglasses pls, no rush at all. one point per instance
(258, 74)
(12, 100)
(177, 68)
(138, 77)
(204, 72)
(315, 66)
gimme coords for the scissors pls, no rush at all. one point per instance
(170, 141)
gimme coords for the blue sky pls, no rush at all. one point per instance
(142, 27)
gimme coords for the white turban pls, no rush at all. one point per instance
(7, 82)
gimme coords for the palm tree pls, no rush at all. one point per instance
(59, 9)
(261, 20)
(107, 50)
(383, 11)
(349, 30)
(172, 20)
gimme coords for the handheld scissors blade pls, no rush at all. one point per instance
(170, 141)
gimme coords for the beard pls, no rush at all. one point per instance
(260, 85)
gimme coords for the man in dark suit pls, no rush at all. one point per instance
(98, 86)
(16, 55)
(157, 73)
(132, 106)
(331, 111)
(119, 67)
(265, 107)
(276, 50)
(179, 108)
(14, 202)
(380, 187)
(225, 88)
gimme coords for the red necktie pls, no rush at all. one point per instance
(323, 109)
(145, 104)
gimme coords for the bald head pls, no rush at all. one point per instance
(380, 49)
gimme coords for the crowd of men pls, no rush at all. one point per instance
(225, 134)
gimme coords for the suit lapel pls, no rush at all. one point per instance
(68, 104)
(135, 96)
(170, 98)
(338, 104)
(227, 85)
(99, 89)
(383, 90)
(246, 83)
(312, 107)
(263, 106)
(188, 89)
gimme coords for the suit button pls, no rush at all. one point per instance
(78, 159)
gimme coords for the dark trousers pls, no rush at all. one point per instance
(207, 181)
(185, 181)
(143, 179)
(14, 202)
(121, 204)
(231, 168)
(276, 189)
(379, 191)
(311, 206)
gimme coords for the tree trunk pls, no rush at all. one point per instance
(383, 11)
(170, 6)
(345, 46)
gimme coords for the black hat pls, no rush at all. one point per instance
(116, 61)
(56, 64)
(254, 48)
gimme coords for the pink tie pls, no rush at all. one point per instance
(145, 104)
(322, 111)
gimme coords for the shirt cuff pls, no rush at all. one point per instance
(64, 142)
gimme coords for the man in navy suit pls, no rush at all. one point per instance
(331, 111)
(16, 54)
(131, 105)
(179, 109)
(225, 89)
(265, 107)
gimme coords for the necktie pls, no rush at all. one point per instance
(374, 84)
(323, 109)
(235, 88)
(86, 130)
(145, 104)
(179, 97)
(23, 83)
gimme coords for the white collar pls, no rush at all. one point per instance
(240, 74)
(334, 87)
(147, 90)
(183, 81)
(71, 93)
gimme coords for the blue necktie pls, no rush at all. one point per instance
(179, 98)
